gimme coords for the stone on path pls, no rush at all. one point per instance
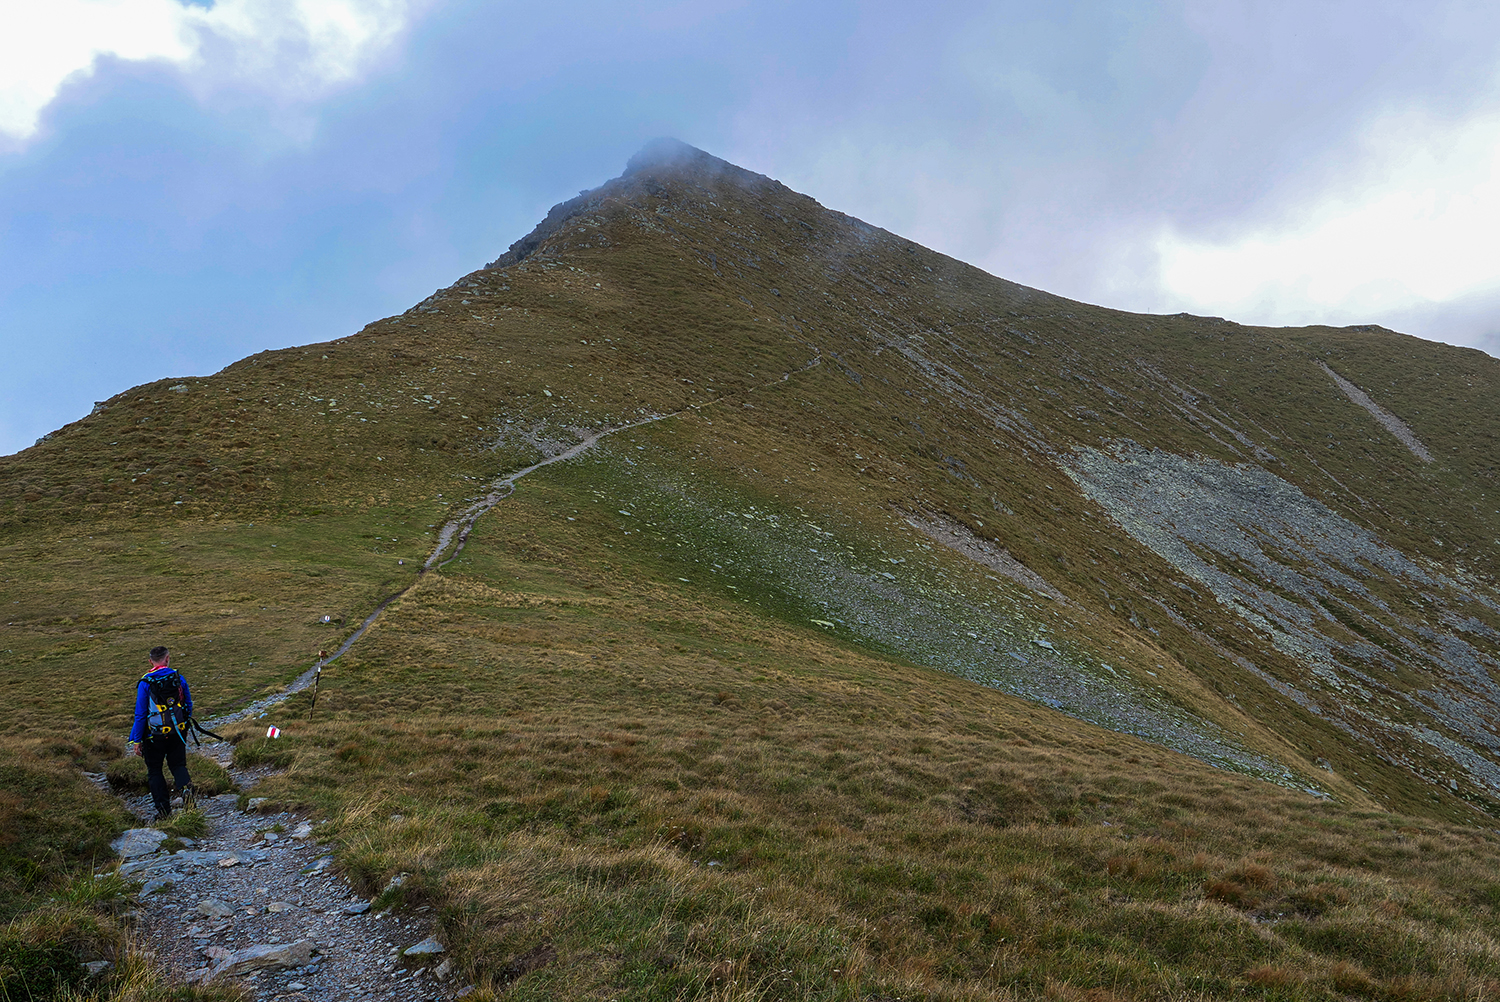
(214, 908)
(279, 906)
(304, 830)
(160, 865)
(426, 948)
(358, 908)
(266, 955)
(138, 842)
(163, 882)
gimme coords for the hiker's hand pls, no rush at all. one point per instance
(136, 748)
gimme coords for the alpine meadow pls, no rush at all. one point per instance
(762, 606)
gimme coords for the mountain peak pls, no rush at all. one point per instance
(659, 160)
(667, 152)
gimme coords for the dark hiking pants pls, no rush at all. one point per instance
(171, 748)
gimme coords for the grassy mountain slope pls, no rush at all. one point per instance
(927, 635)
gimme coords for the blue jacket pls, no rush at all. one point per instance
(143, 699)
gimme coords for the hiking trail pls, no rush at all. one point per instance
(258, 899)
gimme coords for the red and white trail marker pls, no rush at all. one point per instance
(273, 732)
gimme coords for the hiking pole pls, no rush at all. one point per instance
(322, 656)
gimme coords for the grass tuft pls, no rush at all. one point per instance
(191, 823)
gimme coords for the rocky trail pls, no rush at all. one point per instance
(258, 900)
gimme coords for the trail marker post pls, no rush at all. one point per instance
(322, 656)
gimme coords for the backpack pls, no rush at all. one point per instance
(166, 713)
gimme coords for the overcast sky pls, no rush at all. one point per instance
(185, 183)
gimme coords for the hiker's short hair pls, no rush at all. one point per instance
(158, 654)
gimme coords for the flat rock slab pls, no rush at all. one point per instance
(186, 858)
(268, 955)
(138, 842)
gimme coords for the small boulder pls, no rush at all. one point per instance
(262, 957)
(358, 908)
(138, 842)
(214, 908)
(426, 948)
(160, 884)
(276, 907)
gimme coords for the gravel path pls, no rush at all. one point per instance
(245, 894)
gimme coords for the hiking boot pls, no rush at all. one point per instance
(189, 797)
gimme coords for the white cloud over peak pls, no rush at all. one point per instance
(290, 48)
(1410, 223)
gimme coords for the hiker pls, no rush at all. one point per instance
(163, 711)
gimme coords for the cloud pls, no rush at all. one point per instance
(1413, 224)
(292, 49)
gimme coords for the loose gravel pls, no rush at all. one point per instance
(257, 880)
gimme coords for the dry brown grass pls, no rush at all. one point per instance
(595, 806)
